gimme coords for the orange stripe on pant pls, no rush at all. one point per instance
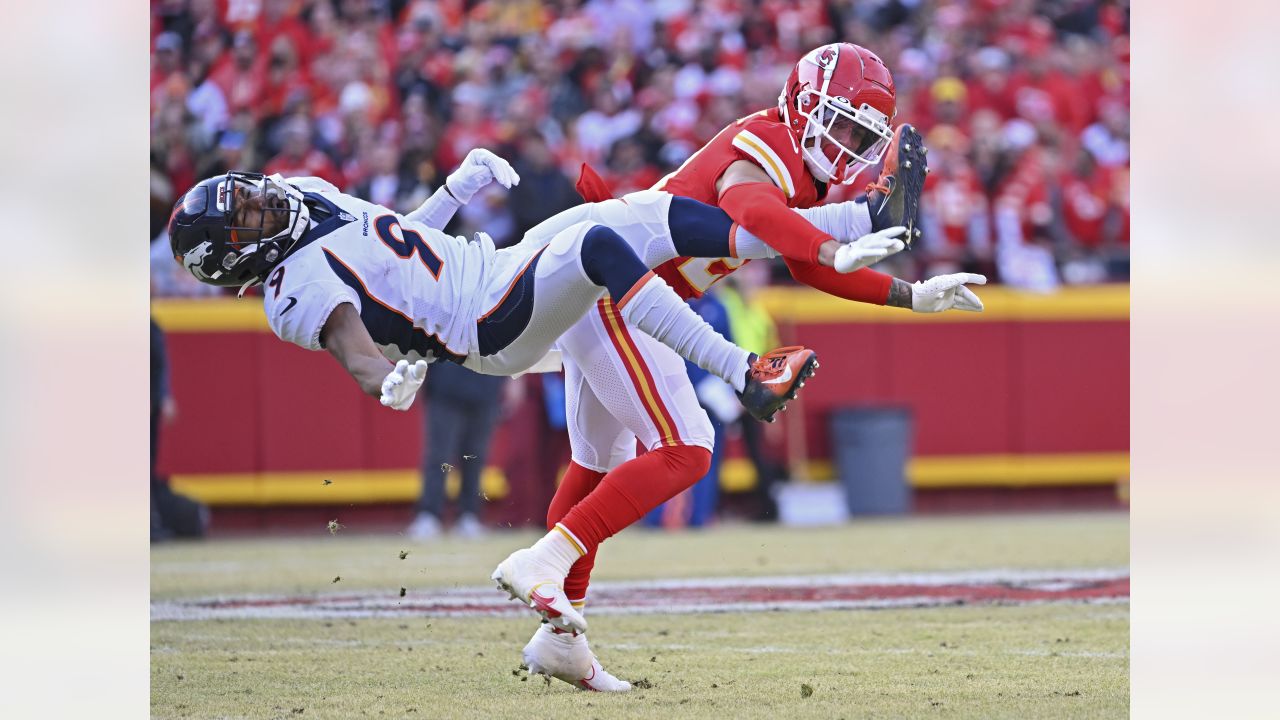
(645, 387)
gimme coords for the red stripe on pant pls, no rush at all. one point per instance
(638, 370)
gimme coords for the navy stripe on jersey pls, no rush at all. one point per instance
(325, 218)
(504, 323)
(388, 326)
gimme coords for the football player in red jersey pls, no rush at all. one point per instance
(833, 121)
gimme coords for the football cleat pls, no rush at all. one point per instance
(894, 199)
(774, 378)
(534, 582)
(566, 656)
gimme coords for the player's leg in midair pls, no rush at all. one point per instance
(604, 259)
(565, 277)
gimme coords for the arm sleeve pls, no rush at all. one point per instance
(436, 211)
(762, 209)
(865, 285)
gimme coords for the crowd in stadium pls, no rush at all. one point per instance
(1024, 105)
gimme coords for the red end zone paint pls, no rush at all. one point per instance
(996, 587)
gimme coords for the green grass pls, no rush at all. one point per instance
(1046, 661)
(957, 662)
(900, 544)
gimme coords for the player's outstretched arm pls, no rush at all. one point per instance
(754, 202)
(478, 169)
(347, 340)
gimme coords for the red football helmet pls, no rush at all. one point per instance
(840, 103)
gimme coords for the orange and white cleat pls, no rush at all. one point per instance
(894, 198)
(533, 581)
(566, 656)
(775, 378)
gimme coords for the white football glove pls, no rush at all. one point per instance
(869, 249)
(478, 169)
(400, 386)
(945, 292)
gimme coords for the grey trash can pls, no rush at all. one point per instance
(870, 447)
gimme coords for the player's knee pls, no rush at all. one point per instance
(690, 462)
(601, 244)
(608, 261)
(697, 229)
(700, 461)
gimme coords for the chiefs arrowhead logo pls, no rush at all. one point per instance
(825, 57)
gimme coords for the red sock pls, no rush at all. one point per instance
(633, 489)
(578, 482)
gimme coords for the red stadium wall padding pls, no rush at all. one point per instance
(1072, 387)
(391, 439)
(310, 411)
(218, 384)
(250, 403)
(956, 377)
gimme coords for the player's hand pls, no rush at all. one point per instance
(869, 249)
(946, 292)
(478, 169)
(400, 386)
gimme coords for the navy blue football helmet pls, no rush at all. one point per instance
(231, 230)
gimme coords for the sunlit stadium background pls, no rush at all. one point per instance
(1022, 409)
(1023, 103)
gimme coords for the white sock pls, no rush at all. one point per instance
(659, 312)
(749, 247)
(560, 548)
(845, 221)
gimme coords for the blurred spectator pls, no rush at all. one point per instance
(299, 157)
(753, 329)
(172, 515)
(461, 411)
(953, 210)
(544, 190)
(385, 97)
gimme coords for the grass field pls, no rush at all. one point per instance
(989, 660)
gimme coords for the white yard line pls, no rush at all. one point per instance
(712, 595)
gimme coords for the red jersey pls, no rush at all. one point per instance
(1085, 201)
(761, 138)
(951, 199)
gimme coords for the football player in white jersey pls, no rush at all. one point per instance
(386, 294)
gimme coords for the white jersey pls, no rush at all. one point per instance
(418, 290)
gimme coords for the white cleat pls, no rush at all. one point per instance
(534, 582)
(566, 656)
